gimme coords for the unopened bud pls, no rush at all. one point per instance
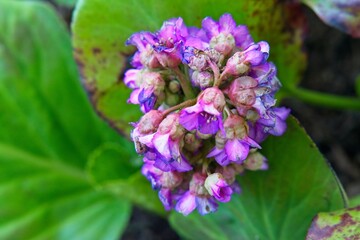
(196, 185)
(256, 161)
(150, 122)
(174, 86)
(223, 43)
(203, 79)
(171, 99)
(192, 143)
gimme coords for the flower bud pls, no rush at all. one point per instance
(171, 99)
(195, 58)
(174, 86)
(171, 179)
(192, 143)
(197, 184)
(149, 122)
(202, 79)
(155, 81)
(218, 188)
(241, 91)
(148, 58)
(236, 66)
(223, 43)
(256, 161)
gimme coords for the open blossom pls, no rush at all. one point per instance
(206, 115)
(208, 98)
(218, 187)
(225, 35)
(234, 144)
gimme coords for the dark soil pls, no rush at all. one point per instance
(333, 65)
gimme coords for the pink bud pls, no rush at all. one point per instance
(149, 122)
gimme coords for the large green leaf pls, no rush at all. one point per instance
(275, 204)
(48, 132)
(100, 29)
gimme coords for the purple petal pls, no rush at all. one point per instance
(236, 150)
(134, 96)
(181, 165)
(186, 204)
(210, 26)
(219, 155)
(206, 205)
(166, 198)
(227, 23)
(188, 120)
(242, 37)
(161, 143)
(282, 112)
(208, 124)
(255, 57)
(147, 99)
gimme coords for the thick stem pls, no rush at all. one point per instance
(325, 99)
(187, 103)
(185, 83)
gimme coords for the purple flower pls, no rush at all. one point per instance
(162, 181)
(233, 145)
(197, 197)
(180, 164)
(148, 87)
(169, 41)
(241, 62)
(225, 35)
(218, 187)
(273, 122)
(169, 136)
(190, 201)
(145, 56)
(206, 115)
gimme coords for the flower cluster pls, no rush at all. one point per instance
(208, 101)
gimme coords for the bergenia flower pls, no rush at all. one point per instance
(208, 98)
(218, 187)
(225, 35)
(197, 197)
(148, 87)
(206, 115)
(274, 123)
(235, 143)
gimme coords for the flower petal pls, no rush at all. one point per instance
(227, 23)
(186, 204)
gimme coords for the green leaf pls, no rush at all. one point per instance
(102, 56)
(354, 201)
(48, 132)
(110, 162)
(275, 204)
(343, 15)
(342, 224)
